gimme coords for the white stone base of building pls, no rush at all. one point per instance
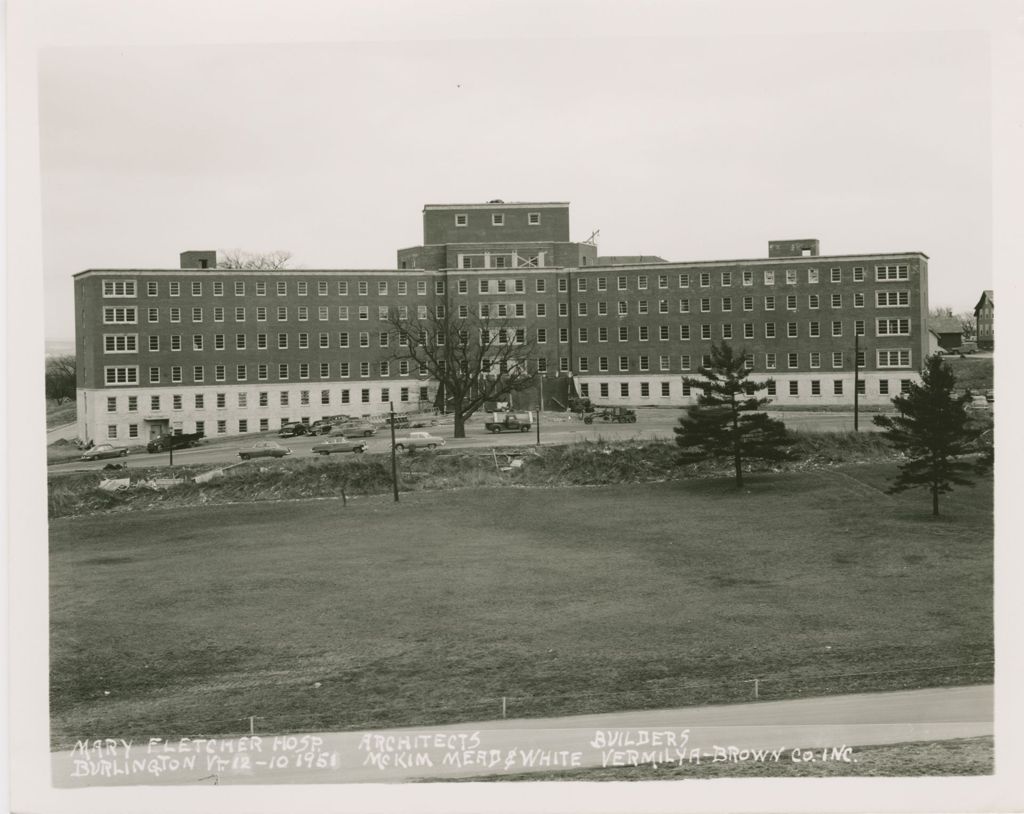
(131, 423)
(667, 390)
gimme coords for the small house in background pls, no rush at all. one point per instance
(945, 334)
(983, 319)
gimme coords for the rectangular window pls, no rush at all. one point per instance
(219, 373)
(120, 315)
(198, 374)
(858, 274)
(119, 288)
(892, 299)
(837, 328)
(769, 277)
(241, 374)
(770, 361)
(705, 279)
(151, 289)
(748, 330)
(123, 375)
(622, 283)
(835, 275)
(892, 327)
(769, 330)
(790, 276)
(684, 280)
(815, 387)
(884, 274)
(837, 387)
(705, 331)
(197, 288)
(174, 289)
(883, 387)
(792, 360)
(812, 276)
(837, 358)
(624, 389)
(197, 314)
(154, 314)
(813, 301)
(122, 343)
(791, 330)
(791, 302)
(684, 332)
(769, 303)
(794, 388)
(641, 282)
(858, 299)
(814, 329)
(154, 342)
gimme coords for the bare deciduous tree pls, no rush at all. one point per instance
(474, 359)
(253, 261)
(61, 378)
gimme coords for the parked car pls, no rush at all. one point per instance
(295, 428)
(264, 449)
(979, 403)
(363, 428)
(338, 445)
(418, 440)
(101, 451)
(616, 415)
(176, 441)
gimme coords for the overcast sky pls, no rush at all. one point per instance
(691, 148)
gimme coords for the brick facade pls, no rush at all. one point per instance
(229, 351)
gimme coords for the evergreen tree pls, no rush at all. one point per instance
(934, 431)
(726, 422)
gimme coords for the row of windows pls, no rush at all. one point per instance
(128, 375)
(128, 343)
(263, 399)
(497, 219)
(128, 288)
(175, 288)
(604, 388)
(128, 315)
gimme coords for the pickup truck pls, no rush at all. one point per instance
(176, 441)
(511, 422)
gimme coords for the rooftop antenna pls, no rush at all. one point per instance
(592, 240)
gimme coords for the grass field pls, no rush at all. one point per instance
(314, 616)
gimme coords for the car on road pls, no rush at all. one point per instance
(264, 449)
(174, 441)
(338, 445)
(418, 440)
(101, 451)
(353, 428)
(295, 428)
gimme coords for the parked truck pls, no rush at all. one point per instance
(510, 422)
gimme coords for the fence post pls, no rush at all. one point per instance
(252, 724)
(504, 707)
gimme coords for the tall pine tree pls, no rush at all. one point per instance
(726, 422)
(935, 432)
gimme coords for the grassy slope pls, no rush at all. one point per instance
(566, 600)
(58, 414)
(966, 756)
(972, 372)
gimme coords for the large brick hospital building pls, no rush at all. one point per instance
(227, 351)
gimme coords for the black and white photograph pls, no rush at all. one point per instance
(506, 406)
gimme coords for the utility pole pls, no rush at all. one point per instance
(394, 460)
(540, 405)
(856, 380)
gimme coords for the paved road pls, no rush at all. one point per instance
(800, 730)
(556, 428)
